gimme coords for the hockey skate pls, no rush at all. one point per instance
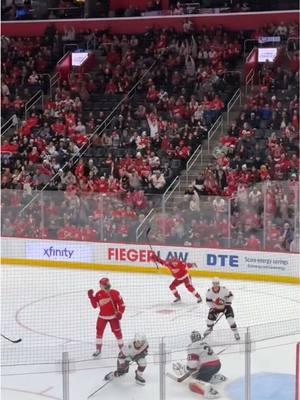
(212, 394)
(139, 379)
(237, 336)
(97, 353)
(177, 300)
(199, 300)
(217, 378)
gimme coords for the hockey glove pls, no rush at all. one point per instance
(141, 355)
(118, 315)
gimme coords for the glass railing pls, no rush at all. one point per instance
(261, 364)
(262, 217)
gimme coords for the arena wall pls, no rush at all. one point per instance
(231, 264)
(235, 21)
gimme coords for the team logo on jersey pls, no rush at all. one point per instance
(102, 302)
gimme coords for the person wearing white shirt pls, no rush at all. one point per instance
(158, 181)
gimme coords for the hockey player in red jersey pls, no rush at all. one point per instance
(112, 308)
(180, 270)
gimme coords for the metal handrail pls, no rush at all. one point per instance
(53, 81)
(169, 191)
(213, 130)
(232, 102)
(191, 161)
(7, 125)
(245, 43)
(32, 101)
(141, 228)
(249, 80)
(62, 57)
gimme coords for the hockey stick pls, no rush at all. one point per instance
(180, 378)
(148, 240)
(105, 383)
(101, 387)
(10, 340)
(217, 320)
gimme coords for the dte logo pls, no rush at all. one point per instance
(222, 260)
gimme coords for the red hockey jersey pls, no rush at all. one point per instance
(110, 303)
(179, 269)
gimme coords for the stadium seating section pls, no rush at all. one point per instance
(104, 177)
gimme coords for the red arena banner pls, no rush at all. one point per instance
(236, 21)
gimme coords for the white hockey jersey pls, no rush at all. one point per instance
(201, 354)
(220, 299)
(131, 352)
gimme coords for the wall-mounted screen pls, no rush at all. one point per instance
(267, 53)
(78, 59)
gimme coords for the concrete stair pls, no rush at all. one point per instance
(206, 157)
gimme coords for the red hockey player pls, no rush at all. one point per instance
(180, 271)
(112, 308)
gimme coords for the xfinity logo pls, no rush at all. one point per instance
(52, 252)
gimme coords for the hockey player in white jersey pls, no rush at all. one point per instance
(203, 365)
(219, 300)
(135, 351)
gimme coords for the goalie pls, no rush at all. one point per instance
(135, 351)
(202, 368)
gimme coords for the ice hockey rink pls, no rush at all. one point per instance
(48, 308)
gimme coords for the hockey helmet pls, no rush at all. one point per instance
(139, 339)
(195, 336)
(216, 281)
(104, 282)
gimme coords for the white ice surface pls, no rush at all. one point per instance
(49, 310)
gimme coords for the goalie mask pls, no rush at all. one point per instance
(195, 336)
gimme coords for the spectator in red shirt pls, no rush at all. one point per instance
(253, 243)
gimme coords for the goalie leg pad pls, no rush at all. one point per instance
(196, 387)
(204, 389)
